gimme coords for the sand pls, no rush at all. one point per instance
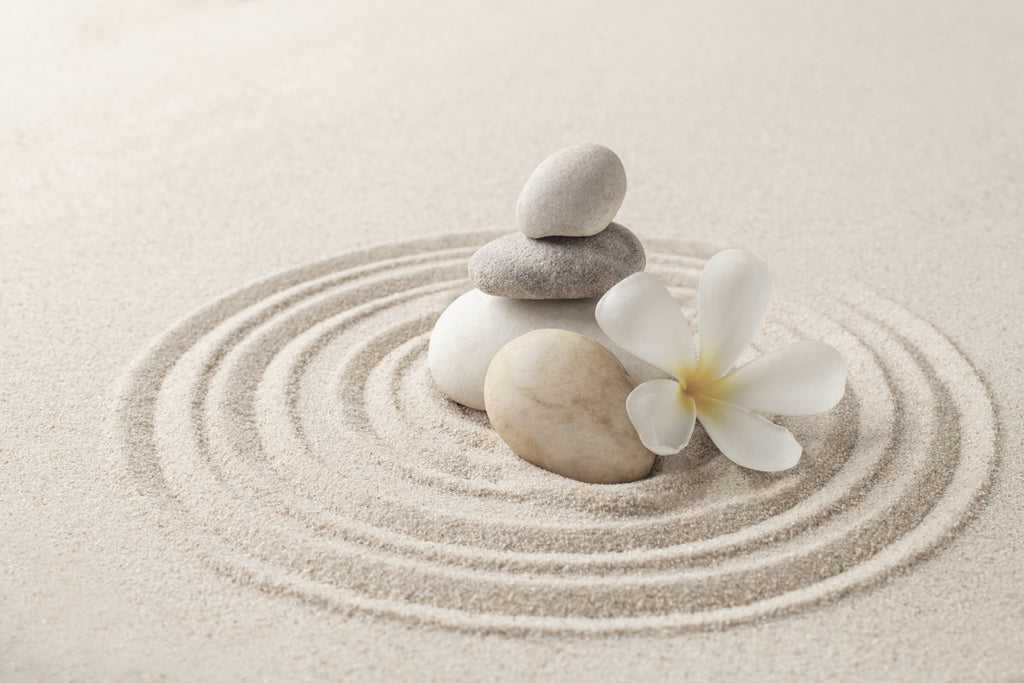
(228, 230)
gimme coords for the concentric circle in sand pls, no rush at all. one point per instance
(290, 431)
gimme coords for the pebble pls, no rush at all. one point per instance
(558, 400)
(575, 192)
(520, 267)
(476, 325)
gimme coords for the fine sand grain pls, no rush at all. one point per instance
(226, 230)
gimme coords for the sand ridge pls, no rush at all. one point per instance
(290, 435)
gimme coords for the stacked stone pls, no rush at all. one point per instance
(550, 274)
(567, 246)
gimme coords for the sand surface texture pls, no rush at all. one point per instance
(226, 231)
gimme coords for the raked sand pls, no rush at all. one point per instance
(227, 231)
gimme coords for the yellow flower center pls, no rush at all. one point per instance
(694, 382)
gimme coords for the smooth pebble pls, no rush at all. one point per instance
(556, 267)
(558, 400)
(575, 192)
(476, 325)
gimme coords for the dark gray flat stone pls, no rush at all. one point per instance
(521, 267)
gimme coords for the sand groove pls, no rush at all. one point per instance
(291, 431)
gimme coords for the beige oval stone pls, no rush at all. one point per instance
(558, 399)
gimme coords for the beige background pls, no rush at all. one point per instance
(153, 159)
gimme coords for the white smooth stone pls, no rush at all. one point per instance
(476, 325)
(575, 192)
(558, 400)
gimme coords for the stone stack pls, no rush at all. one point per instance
(549, 274)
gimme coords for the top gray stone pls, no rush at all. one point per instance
(520, 267)
(575, 192)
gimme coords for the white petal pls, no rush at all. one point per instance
(800, 379)
(732, 299)
(641, 316)
(746, 439)
(662, 415)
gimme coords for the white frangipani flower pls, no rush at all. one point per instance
(803, 378)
